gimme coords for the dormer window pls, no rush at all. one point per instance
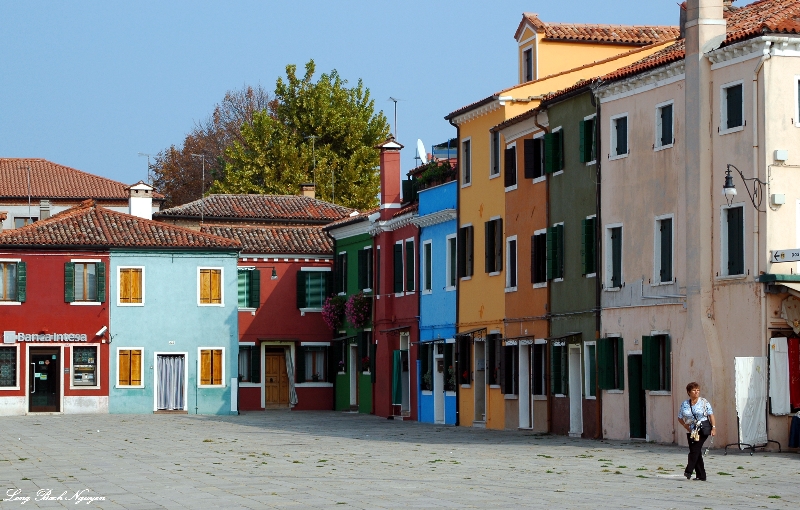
(527, 64)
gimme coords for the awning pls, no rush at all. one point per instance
(518, 340)
(341, 338)
(794, 288)
(565, 335)
(472, 332)
(394, 330)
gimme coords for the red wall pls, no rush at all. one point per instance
(44, 311)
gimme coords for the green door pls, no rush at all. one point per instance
(636, 401)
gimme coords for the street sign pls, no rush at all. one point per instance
(786, 255)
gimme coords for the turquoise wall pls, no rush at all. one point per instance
(172, 321)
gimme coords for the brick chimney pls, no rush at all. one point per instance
(308, 190)
(140, 200)
(390, 177)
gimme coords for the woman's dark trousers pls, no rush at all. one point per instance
(696, 457)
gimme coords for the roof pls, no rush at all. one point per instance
(284, 240)
(410, 208)
(294, 208)
(612, 34)
(355, 218)
(89, 225)
(51, 180)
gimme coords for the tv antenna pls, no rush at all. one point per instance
(395, 114)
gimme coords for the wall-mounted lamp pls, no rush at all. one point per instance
(729, 188)
(274, 275)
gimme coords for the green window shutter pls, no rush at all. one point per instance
(411, 274)
(667, 363)
(734, 106)
(582, 141)
(622, 135)
(255, 364)
(300, 364)
(241, 288)
(549, 153)
(621, 363)
(397, 381)
(555, 371)
(301, 289)
(101, 282)
(529, 154)
(588, 140)
(616, 257)
(551, 252)
(69, 282)
(560, 150)
(22, 280)
(498, 244)
(559, 267)
(398, 268)
(666, 125)
(665, 227)
(603, 364)
(255, 289)
(584, 246)
(649, 363)
(735, 241)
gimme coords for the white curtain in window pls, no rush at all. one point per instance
(170, 382)
(244, 364)
(290, 376)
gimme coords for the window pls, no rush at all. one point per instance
(493, 230)
(495, 147)
(397, 261)
(559, 369)
(590, 369)
(554, 151)
(587, 148)
(249, 364)
(511, 263)
(663, 250)
(588, 246)
(539, 257)
(614, 257)
(84, 366)
(527, 63)
(249, 287)
(210, 288)
(84, 282)
(21, 221)
(452, 268)
(664, 134)
(366, 352)
(312, 363)
(539, 366)
(494, 359)
(426, 365)
(427, 266)
(466, 162)
(131, 286)
(466, 251)
(212, 368)
(510, 179)
(365, 269)
(341, 273)
(733, 241)
(656, 352)
(312, 288)
(464, 359)
(410, 268)
(555, 252)
(13, 278)
(619, 136)
(534, 158)
(611, 363)
(8, 367)
(510, 382)
(732, 115)
(129, 367)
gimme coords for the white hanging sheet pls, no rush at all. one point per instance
(779, 377)
(751, 399)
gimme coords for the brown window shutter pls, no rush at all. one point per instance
(510, 167)
(205, 366)
(205, 286)
(124, 367)
(488, 246)
(498, 244)
(529, 154)
(216, 369)
(136, 367)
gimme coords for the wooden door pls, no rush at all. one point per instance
(276, 380)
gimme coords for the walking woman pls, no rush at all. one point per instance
(697, 418)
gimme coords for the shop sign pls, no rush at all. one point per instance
(10, 337)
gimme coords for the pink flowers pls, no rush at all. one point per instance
(333, 312)
(358, 310)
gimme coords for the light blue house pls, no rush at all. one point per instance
(172, 319)
(437, 326)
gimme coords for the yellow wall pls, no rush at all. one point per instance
(466, 406)
(495, 409)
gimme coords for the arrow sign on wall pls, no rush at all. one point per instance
(786, 255)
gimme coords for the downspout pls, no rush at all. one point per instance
(756, 223)
(598, 295)
(549, 287)
(458, 280)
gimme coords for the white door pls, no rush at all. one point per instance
(575, 391)
(438, 383)
(525, 387)
(354, 375)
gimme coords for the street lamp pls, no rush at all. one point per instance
(729, 188)
(202, 184)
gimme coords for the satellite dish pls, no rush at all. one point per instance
(421, 152)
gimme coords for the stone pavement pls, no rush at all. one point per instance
(282, 459)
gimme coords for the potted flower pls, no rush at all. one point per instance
(315, 377)
(358, 310)
(333, 312)
(427, 381)
(365, 364)
(341, 365)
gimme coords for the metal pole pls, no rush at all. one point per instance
(149, 179)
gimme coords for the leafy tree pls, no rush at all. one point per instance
(324, 124)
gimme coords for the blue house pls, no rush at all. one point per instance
(437, 279)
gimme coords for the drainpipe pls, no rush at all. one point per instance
(597, 294)
(458, 280)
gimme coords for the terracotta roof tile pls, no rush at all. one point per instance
(619, 34)
(265, 208)
(283, 240)
(51, 180)
(89, 225)
(410, 208)
(356, 218)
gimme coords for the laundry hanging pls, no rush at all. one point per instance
(779, 377)
(794, 372)
(290, 375)
(751, 399)
(790, 312)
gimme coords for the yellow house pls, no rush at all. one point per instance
(562, 55)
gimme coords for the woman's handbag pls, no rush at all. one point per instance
(701, 428)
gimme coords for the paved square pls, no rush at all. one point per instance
(284, 459)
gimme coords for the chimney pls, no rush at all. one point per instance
(140, 200)
(44, 209)
(682, 20)
(390, 176)
(308, 190)
(727, 5)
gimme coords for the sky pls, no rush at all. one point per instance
(92, 84)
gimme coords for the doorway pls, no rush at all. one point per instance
(353, 373)
(575, 392)
(637, 407)
(44, 380)
(171, 382)
(276, 379)
(405, 377)
(480, 382)
(525, 396)
(438, 382)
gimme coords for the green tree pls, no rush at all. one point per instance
(324, 121)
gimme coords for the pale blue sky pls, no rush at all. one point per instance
(91, 84)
